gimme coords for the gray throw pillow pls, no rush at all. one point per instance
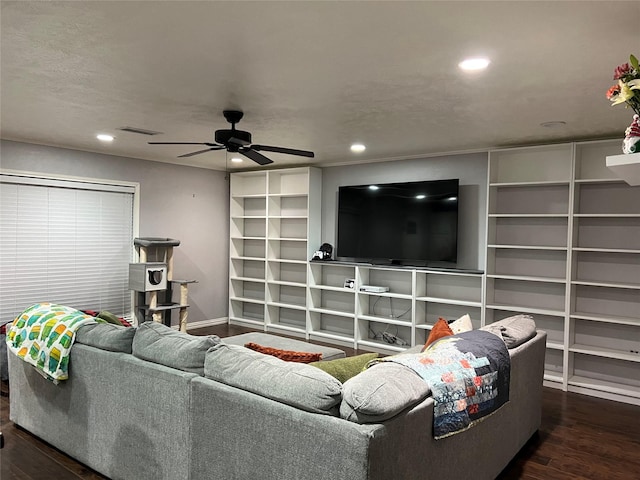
(513, 330)
(381, 392)
(158, 343)
(297, 384)
(106, 336)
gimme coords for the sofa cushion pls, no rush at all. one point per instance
(107, 336)
(381, 392)
(513, 330)
(284, 343)
(286, 355)
(296, 384)
(158, 343)
(345, 368)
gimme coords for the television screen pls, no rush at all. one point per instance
(412, 223)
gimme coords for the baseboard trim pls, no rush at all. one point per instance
(203, 323)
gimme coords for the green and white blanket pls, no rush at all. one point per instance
(42, 336)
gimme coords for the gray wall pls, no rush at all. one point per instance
(470, 169)
(185, 203)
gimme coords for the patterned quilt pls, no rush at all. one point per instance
(468, 375)
(43, 334)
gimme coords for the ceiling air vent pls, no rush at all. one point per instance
(139, 131)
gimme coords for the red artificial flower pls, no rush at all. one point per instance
(613, 91)
(621, 71)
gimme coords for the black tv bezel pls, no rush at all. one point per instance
(400, 262)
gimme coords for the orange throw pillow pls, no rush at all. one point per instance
(286, 355)
(439, 330)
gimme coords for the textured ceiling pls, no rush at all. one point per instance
(312, 75)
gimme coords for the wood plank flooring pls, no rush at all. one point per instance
(580, 438)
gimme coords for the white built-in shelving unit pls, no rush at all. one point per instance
(413, 304)
(274, 228)
(563, 244)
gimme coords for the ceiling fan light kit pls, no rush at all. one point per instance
(238, 141)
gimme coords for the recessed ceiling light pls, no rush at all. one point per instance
(358, 147)
(421, 197)
(373, 187)
(103, 137)
(553, 124)
(236, 160)
(473, 64)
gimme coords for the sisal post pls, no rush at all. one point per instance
(169, 260)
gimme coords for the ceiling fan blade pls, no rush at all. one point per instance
(255, 156)
(288, 151)
(238, 141)
(186, 143)
(197, 153)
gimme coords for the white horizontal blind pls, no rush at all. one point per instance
(64, 242)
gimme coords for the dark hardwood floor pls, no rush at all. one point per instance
(580, 438)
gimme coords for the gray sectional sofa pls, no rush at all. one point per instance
(152, 403)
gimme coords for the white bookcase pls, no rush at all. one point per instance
(563, 244)
(274, 229)
(414, 302)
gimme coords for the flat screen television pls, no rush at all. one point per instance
(410, 223)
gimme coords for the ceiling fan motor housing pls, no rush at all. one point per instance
(223, 136)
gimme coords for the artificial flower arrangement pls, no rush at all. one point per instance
(628, 91)
(628, 88)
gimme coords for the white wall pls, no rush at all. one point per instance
(185, 203)
(470, 169)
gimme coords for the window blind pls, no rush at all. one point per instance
(64, 242)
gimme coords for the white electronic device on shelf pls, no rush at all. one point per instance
(373, 289)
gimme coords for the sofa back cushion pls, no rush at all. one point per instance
(107, 336)
(296, 384)
(514, 330)
(381, 392)
(155, 342)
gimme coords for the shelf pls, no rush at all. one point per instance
(553, 377)
(529, 247)
(248, 279)
(449, 301)
(248, 195)
(386, 294)
(598, 180)
(541, 183)
(528, 215)
(383, 345)
(248, 300)
(338, 313)
(604, 386)
(628, 286)
(332, 289)
(292, 306)
(528, 278)
(530, 310)
(286, 328)
(288, 284)
(606, 250)
(252, 259)
(325, 334)
(289, 195)
(606, 215)
(604, 352)
(616, 319)
(386, 320)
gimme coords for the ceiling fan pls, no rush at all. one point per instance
(238, 141)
